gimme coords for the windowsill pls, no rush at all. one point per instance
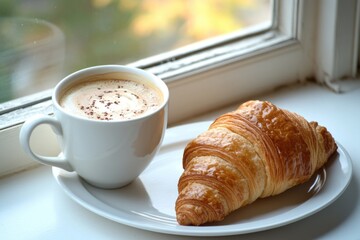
(35, 207)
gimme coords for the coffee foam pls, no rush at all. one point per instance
(111, 99)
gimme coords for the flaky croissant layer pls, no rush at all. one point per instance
(256, 151)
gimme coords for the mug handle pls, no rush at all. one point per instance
(25, 134)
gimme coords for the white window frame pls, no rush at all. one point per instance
(295, 48)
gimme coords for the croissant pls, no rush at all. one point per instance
(256, 151)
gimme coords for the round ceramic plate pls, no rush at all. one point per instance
(149, 202)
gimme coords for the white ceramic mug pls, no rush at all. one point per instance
(106, 154)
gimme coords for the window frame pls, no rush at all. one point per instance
(333, 67)
(298, 49)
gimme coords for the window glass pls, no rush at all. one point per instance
(43, 40)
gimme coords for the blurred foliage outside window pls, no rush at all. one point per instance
(41, 41)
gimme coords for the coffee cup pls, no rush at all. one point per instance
(110, 122)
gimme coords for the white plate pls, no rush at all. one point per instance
(148, 203)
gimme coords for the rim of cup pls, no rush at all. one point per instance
(100, 69)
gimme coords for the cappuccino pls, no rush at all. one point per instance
(111, 99)
(91, 108)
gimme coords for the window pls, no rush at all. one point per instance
(228, 69)
(41, 41)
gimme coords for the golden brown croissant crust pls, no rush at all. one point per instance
(256, 151)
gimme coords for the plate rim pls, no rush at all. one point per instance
(221, 230)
